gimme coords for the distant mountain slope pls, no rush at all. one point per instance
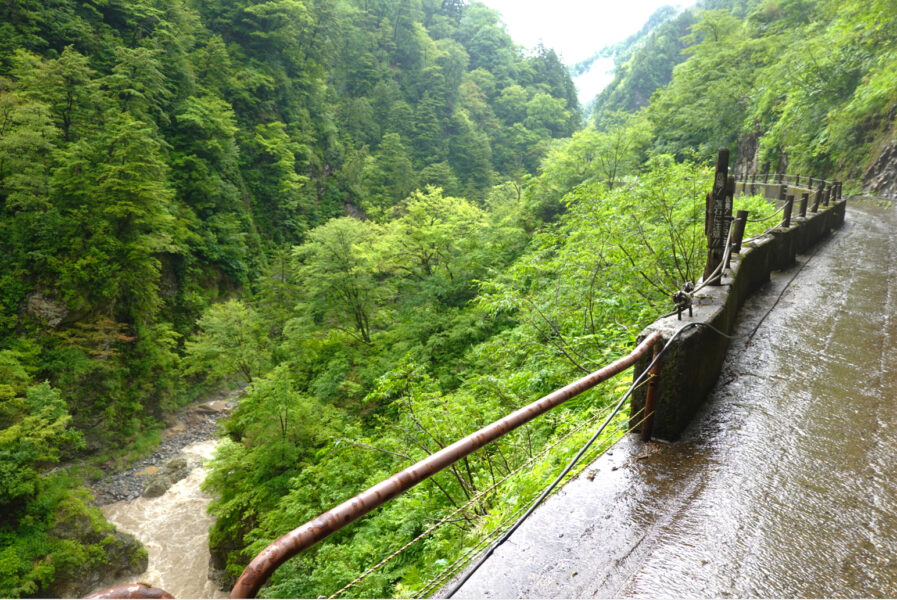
(645, 61)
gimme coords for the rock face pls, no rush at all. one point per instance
(46, 309)
(748, 153)
(881, 176)
(124, 556)
(217, 563)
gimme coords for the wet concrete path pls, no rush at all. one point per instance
(784, 486)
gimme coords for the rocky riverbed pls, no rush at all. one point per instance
(159, 502)
(196, 423)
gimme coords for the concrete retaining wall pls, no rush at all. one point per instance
(693, 363)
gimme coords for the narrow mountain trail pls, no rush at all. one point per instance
(784, 486)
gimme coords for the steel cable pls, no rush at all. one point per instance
(453, 569)
(470, 502)
(780, 209)
(572, 463)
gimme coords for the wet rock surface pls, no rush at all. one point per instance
(195, 423)
(174, 470)
(881, 177)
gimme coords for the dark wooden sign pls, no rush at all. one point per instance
(719, 213)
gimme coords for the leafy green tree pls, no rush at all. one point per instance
(28, 140)
(231, 341)
(388, 174)
(139, 84)
(434, 235)
(510, 106)
(343, 277)
(277, 188)
(428, 130)
(33, 429)
(547, 115)
(440, 175)
(68, 86)
(114, 187)
(470, 150)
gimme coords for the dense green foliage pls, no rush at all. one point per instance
(41, 510)
(152, 151)
(385, 218)
(794, 86)
(156, 156)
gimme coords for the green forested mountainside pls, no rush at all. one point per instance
(644, 61)
(800, 86)
(384, 217)
(623, 50)
(154, 153)
(160, 156)
(645, 68)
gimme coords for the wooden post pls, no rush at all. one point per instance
(716, 225)
(798, 180)
(786, 216)
(817, 198)
(804, 198)
(827, 196)
(651, 396)
(738, 231)
(737, 235)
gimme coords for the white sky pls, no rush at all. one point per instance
(576, 29)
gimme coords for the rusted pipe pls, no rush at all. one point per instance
(307, 535)
(134, 590)
(651, 395)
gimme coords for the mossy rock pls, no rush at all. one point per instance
(177, 468)
(157, 485)
(106, 554)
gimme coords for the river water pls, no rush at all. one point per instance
(786, 483)
(174, 529)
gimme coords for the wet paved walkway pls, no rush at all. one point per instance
(784, 486)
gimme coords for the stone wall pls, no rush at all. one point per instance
(693, 363)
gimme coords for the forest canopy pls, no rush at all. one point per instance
(388, 221)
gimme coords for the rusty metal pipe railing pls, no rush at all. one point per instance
(262, 566)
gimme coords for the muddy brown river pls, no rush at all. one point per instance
(174, 529)
(784, 486)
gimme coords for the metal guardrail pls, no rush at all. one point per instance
(307, 535)
(262, 566)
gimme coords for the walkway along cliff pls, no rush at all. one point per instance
(692, 364)
(679, 364)
(784, 483)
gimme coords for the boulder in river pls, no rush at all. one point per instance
(157, 485)
(174, 470)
